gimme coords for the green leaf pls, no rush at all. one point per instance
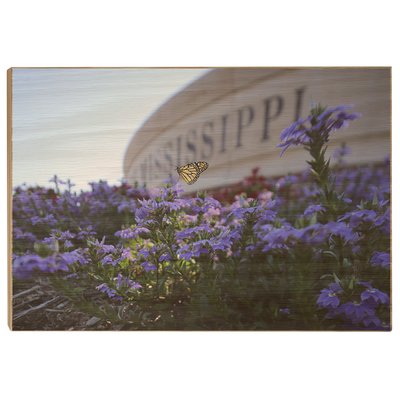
(134, 317)
(203, 304)
(121, 311)
(161, 282)
(375, 199)
(110, 311)
(316, 174)
(332, 254)
(332, 184)
(145, 321)
(313, 220)
(322, 193)
(337, 280)
(351, 283)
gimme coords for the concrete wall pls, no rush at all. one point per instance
(233, 117)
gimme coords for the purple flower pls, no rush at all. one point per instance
(383, 221)
(103, 287)
(62, 235)
(112, 293)
(148, 266)
(175, 190)
(364, 215)
(24, 265)
(89, 232)
(145, 252)
(122, 283)
(141, 214)
(57, 180)
(19, 234)
(277, 238)
(311, 210)
(205, 205)
(299, 133)
(106, 249)
(259, 212)
(380, 258)
(222, 242)
(101, 247)
(333, 312)
(185, 253)
(312, 235)
(72, 257)
(374, 296)
(165, 257)
(191, 232)
(285, 310)
(47, 220)
(329, 296)
(130, 233)
(356, 310)
(340, 121)
(295, 134)
(193, 250)
(196, 251)
(175, 205)
(371, 319)
(97, 243)
(126, 254)
(108, 259)
(126, 205)
(68, 244)
(343, 151)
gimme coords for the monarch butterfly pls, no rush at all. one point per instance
(191, 172)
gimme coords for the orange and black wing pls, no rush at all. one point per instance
(191, 172)
(201, 165)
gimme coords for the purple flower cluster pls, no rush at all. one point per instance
(357, 310)
(206, 205)
(300, 133)
(282, 245)
(160, 203)
(24, 266)
(311, 210)
(130, 233)
(151, 254)
(122, 285)
(312, 235)
(257, 213)
(380, 259)
(222, 242)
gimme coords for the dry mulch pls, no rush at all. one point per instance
(36, 306)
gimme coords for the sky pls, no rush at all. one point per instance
(77, 123)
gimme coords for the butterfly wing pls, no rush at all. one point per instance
(191, 172)
(201, 165)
